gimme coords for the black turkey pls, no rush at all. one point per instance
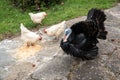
(81, 38)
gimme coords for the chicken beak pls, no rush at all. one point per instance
(40, 38)
(45, 14)
(45, 31)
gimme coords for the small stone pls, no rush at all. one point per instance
(33, 65)
(112, 40)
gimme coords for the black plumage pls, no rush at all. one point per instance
(82, 41)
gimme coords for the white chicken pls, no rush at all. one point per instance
(56, 30)
(28, 36)
(38, 17)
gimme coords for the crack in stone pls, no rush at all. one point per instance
(31, 76)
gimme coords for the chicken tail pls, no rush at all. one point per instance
(98, 17)
(30, 13)
(63, 23)
(23, 28)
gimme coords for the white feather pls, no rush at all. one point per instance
(27, 35)
(56, 30)
(38, 17)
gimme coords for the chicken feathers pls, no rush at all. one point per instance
(28, 36)
(38, 17)
(56, 30)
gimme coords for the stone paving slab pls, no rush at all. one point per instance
(45, 65)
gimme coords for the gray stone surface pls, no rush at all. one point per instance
(51, 63)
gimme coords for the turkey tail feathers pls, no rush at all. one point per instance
(98, 17)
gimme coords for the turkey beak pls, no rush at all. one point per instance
(65, 38)
(67, 34)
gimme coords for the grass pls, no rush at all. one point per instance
(11, 17)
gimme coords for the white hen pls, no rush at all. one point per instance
(28, 36)
(38, 17)
(56, 30)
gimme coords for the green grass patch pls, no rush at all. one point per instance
(11, 17)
